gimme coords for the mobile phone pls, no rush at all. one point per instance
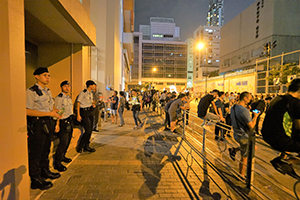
(256, 111)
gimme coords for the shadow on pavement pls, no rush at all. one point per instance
(155, 156)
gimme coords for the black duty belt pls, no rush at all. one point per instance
(67, 119)
(39, 118)
(87, 109)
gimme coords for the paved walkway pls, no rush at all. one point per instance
(147, 163)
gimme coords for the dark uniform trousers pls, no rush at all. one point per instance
(64, 135)
(87, 116)
(40, 131)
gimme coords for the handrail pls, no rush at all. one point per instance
(252, 140)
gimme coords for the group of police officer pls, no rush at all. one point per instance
(46, 117)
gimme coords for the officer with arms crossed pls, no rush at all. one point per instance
(64, 126)
(40, 110)
(86, 115)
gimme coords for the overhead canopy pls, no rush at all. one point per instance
(58, 21)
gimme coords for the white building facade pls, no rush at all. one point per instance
(160, 59)
(243, 38)
(190, 61)
(206, 60)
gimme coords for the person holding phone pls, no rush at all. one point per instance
(242, 124)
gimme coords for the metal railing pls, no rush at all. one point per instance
(191, 133)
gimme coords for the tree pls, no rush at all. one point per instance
(213, 73)
(283, 71)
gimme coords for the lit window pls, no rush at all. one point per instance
(217, 61)
(209, 61)
(157, 35)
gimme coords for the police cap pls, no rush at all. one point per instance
(64, 83)
(90, 82)
(40, 70)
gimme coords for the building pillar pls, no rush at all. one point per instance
(14, 178)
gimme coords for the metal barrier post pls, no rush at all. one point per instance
(204, 137)
(250, 160)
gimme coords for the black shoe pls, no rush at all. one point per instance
(66, 160)
(46, 173)
(167, 129)
(89, 149)
(232, 153)
(216, 137)
(96, 130)
(175, 132)
(39, 183)
(79, 149)
(228, 135)
(59, 167)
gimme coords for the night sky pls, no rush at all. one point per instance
(188, 14)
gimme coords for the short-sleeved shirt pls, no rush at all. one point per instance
(122, 101)
(114, 106)
(169, 104)
(64, 101)
(220, 104)
(204, 104)
(240, 117)
(163, 97)
(278, 122)
(174, 106)
(85, 98)
(39, 99)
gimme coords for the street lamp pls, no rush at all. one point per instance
(201, 46)
(153, 70)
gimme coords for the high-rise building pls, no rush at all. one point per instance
(190, 61)
(160, 59)
(206, 60)
(215, 16)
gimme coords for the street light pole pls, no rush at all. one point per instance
(206, 70)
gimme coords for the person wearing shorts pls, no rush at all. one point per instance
(242, 124)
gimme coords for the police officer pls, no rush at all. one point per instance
(40, 110)
(85, 115)
(64, 126)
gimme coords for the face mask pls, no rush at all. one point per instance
(251, 101)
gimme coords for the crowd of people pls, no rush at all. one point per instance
(49, 117)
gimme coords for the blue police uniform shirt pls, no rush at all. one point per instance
(64, 101)
(85, 98)
(39, 99)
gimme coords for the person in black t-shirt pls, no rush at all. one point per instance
(220, 112)
(281, 126)
(204, 104)
(114, 100)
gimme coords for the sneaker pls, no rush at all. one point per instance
(232, 153)
(135, 127)
(120, 125)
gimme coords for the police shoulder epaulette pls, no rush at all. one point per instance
(36, 89)
(60, 95)
(84, 90)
